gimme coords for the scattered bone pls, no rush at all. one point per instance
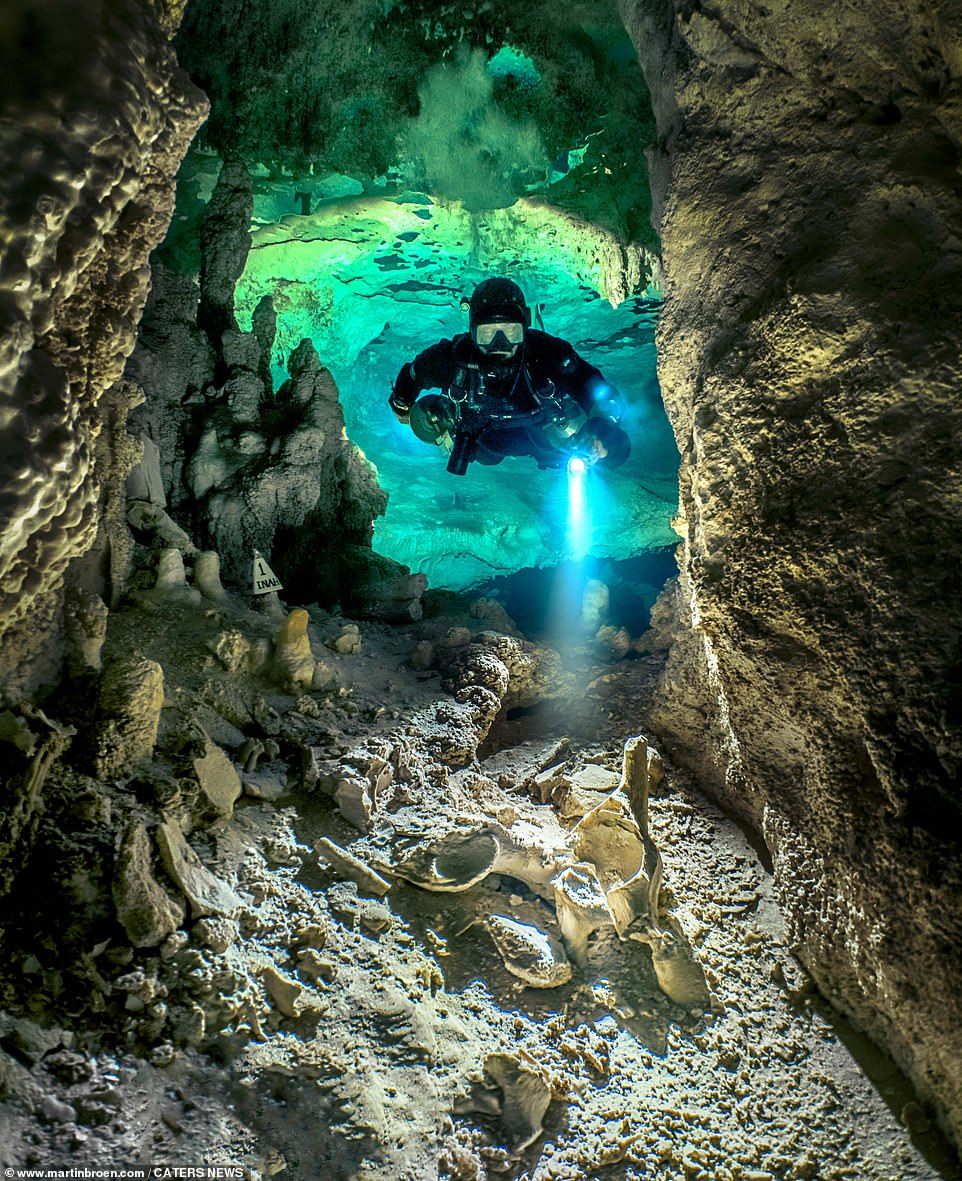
(527, 1096)
(680, 976)
(253, 750)
(293, 658)
(318, 967)
(595, 778)
(207, 894)
(207, 576)
(609, 838)
(531, 954)
(581, 907)
(353, 868)
(546, 785)
(520, 764)
(453, 863)
(354, 800)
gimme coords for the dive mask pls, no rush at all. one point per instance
(500, 336)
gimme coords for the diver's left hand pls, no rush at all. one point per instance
(597, 450)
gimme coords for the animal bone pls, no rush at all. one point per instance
(527, 1096)
(353, 868)
(581, 906)
(455, 862)
(532, 955)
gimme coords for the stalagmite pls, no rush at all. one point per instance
(131, 698)
(171, 581)
(207, 576)
(293, 658)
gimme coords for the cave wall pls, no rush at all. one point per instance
(97, 116)
(806, 189)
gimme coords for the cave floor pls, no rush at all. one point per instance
(367, 1059)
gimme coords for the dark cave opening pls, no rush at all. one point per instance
(548, 602)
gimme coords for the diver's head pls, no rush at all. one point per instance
(499, 318)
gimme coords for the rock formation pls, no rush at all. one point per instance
(806, 190)
(245, 467)
(95, 125)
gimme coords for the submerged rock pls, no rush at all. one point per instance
(207, 894)
(527, 1096)
(131, 698)
(218, 778)
(146, 911)
(531, 954)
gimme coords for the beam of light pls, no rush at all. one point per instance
(579, 520)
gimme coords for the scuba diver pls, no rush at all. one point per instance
(508, 389)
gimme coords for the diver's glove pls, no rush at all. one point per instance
(600, 440)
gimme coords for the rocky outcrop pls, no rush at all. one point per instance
(246, 467)
(806, 186)
(97, 118)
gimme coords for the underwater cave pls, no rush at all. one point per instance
(506, 804)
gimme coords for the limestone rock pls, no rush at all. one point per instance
(145, 909)
(595, 600)
(145, 482)
(293, 658)
(218, 778)
(79, 215)
(216, 933)
(85, 620)
(225, 242)
(131, 698)
(347, 641)
(207, 894)
(817, 615)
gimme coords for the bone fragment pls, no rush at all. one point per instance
(351, 867)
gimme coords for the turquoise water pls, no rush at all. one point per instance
(373, 280)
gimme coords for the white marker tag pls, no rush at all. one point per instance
(263, 578)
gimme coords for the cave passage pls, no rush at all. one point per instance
(374, 280)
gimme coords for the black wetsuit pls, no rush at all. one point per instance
(546, 370)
